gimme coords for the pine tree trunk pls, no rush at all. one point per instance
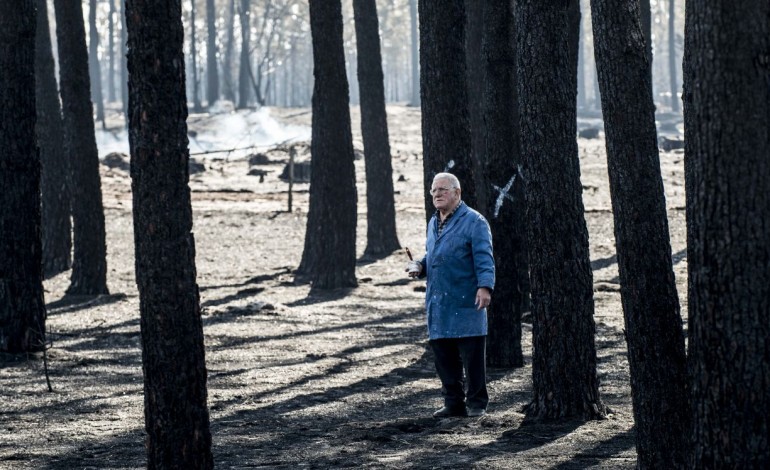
(212, 71)
(227, 66)
(89, 266)
(55, 188)
(475, 82)
(505, 202)
(564, 357)
(672, 62)
(176, 416)
(123, 63)
(381, 238)
(243, 69)
(329, 256)
(414, 48)
(112, 96)
(197, 107)
(93, 61)
(727, 171)
(22, 307)
(656, 352)
(446, 129)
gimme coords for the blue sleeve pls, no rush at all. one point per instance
(483, 259)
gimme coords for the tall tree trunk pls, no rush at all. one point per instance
(646, 22)
(89, 267)
(329, 256)
(112, 97)
(244, 69)
(564, 357)
(505, 202)
(93, 60)
(727, 171)
(227, 66)
(55, 188)
(22, 307)
(176, 416)
(582, 102)
(656, 353)
(446, 131)
(672, 62)
(212, 71)
(475, 81)
(414, 49)
(197, 107)
(123, 63)
(381, 237)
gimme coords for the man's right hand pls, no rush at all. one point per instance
(414, 268)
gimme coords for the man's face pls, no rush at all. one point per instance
(445, 197)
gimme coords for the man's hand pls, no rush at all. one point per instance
(414, 268)
(483, 298)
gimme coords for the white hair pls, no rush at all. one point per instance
(448, 176)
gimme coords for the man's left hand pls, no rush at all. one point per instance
(483, 298)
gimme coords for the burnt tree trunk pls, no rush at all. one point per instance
(243, 68)
(227, 61)
(55, 189)
(176, 416)
(475, 81)
(329, 256)
(22, 307)
(446, 131)
(111, 94)
(212, 70)
(123, 63)
(672, 62)
(415, 55)
(656, 353)
(89, 266)
(505, 197)
(381, 238)
(727, 172)
(93, 60)
(197, 107)
(564, 377)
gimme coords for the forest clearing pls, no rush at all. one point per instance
(307, 379)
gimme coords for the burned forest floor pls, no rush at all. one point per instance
(300, 378)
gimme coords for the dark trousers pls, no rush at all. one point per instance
(452, 356)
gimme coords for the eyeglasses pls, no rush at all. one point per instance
(435, 191)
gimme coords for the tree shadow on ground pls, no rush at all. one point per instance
(72, 303)
(319, 296)
(604, 450)
(283, 270)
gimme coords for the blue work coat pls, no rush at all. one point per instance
(456, 264)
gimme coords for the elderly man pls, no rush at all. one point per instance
(460, 272)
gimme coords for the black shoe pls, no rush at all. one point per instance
(447, 412)
(476, 412)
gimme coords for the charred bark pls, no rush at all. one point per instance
(564, 378)
(55, 188)
(654, 334)
(381, 238)
(212, 70)
(329, 256)
(727, 174)
(22, 307)
(89, 266)
(176, 416)
(446, 131)
(505, 187)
